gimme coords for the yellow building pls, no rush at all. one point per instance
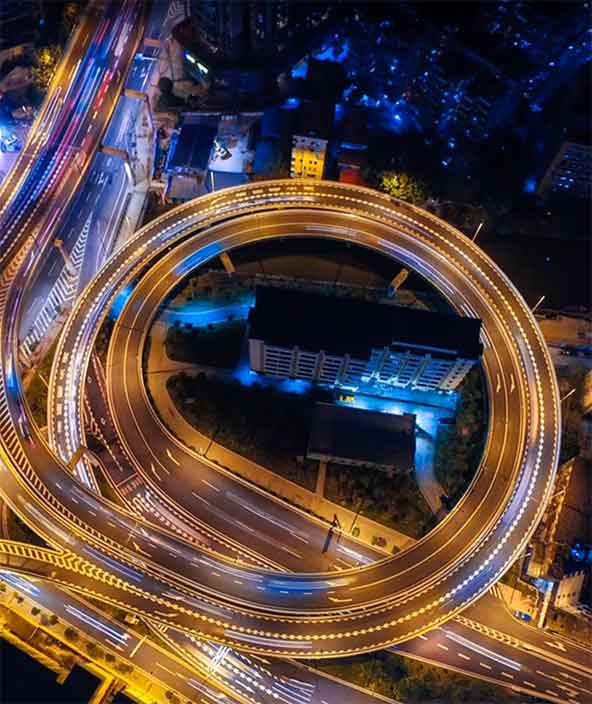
(308, 157)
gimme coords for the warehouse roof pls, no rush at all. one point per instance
(340, 326)
(345, 433)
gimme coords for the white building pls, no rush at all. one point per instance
(353, 344)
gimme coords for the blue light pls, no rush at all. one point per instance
(120, 300)
(529, 185)
(397, 117)
(295, 386)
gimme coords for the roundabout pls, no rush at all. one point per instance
(196, 590)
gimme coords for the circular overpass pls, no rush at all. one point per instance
(296, 614)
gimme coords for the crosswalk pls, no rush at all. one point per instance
(61, 295)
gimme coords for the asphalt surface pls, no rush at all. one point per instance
(44, 184)
(211, 672)
(486, 642)
(501, 471)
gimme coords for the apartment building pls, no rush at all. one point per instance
(357, 345)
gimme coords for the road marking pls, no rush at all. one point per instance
(485, 665)
(154, 472)
(215, 488)
(463, 656)
(137, 646)
(556, 644)
(441, 646)
(508, 675)
(139, 549)
(530, 684)
(201, 498)
(172, 458)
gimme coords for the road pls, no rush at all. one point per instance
(486, 642)
(528, 363)
(376, 598)
(217, 676)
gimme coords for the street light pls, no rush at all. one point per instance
(538, 303)
(568, 394)
(477, 231)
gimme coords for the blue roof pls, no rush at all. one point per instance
(225, 179)
(192, 148)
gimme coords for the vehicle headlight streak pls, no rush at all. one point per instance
(396, 598)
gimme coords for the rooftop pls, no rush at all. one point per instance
(192, 148)
(362, 436)
(315, 119)
(340, 326)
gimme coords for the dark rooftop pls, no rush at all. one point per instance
(315, 119)
(325, 80)
(193, 146)
(340, 326)
(362, 436)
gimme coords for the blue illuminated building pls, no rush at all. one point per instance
(358, 346)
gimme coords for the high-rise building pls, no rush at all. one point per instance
(310, 139)
(357, 345)
(252, 31)
(570, 172)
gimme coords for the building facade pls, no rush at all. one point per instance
(357, 345)
(308, 157)
(570, 172)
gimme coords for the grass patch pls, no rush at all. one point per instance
(395, 501)
(415, 682)
(103, 338)
(18, 530)
(36, 393)
(459, 447)
(264, 425)
(215, 345)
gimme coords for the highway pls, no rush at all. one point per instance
(486, 641)
(411, 593)
(185, 666)
(375, 598)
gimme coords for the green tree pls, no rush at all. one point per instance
(400, 185)
(70, 16)
(46, 61)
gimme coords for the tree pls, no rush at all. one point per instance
(35, 611)
(165, 85)
(400, 185)
(71, 634)
(46, 61)
(70, 16)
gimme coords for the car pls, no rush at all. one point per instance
(522, 615)
(347, 399)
